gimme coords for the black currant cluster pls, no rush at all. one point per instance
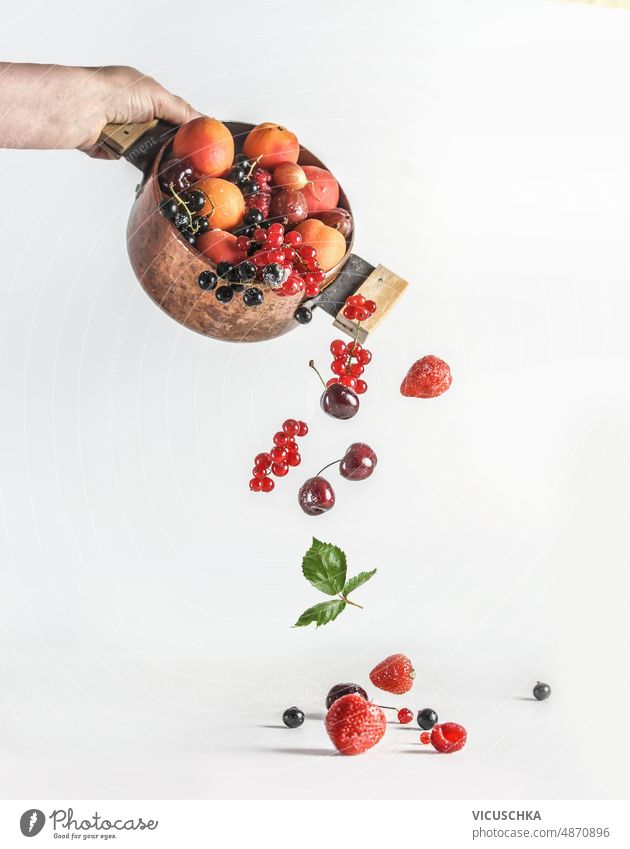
(230, 280)
(241, 175)
(181, 210)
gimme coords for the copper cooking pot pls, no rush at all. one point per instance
(168, 268)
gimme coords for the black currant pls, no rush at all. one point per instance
(203, 225)
(340, 690)
(253, 248)
(195, 200)
(169, 208)
(223, 269)
(303, 315)
(181, 220)
(242, 161)
(253, 216)
(236, 174)
(249, 187)
(427, 718)
(293, 717)
(246, 271)
(253, 297)
(191, 238)
(273, 274)
(542, 691)
(233, 276)
(207, 280)
(224, 294)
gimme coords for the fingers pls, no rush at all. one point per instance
(172, 108)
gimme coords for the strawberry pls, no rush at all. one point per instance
(427, 378)
(394, 674)
(448, 737)
(354, 725)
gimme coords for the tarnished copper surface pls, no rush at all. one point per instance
(168, 267)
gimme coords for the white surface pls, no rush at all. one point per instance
(147, 596)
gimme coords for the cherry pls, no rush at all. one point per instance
(339, 401)
(358, 462)
(316, 496)
(339, 690)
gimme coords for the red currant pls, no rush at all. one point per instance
(362, 314)
(276, 229)
(405, 716)
(303, 429)
(425, 738)
(311, 290)
(262, 460)
(338, 348)
(292, 285)
(276, 255)
(278, 455)
(260, 259)
(307, 251)
(273, 240)
(260, 234)
(350, 312)
(348, 380)
(293, 238)
(294, 458)
(331, 381)
(258, 472)
(255, 484)
(280, 469)
(356, 369)
(289, 255)
(267, 484)
(356, 300)
(361, 387)
(364, 356)
(370, 306)
(291, 427)
(338, 366)
(279, 439)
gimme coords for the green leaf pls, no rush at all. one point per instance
(357, 581)
(324, 565)
(321, 614)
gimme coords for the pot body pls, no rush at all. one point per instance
(168, 268)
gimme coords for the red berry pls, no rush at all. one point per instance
(259, 472)
(337, 348)
(242, 243)
(307, 251)
(293, 238)
(405, 716)
(354, 724)
(425, 738)
(338, 366)
(448, 737)
(311, 290)
(276, 255)
(362, 314)
(364, 356)
(292, 448)
(292, 285)
(291, 427)
(279, 439)
(276, 229)
(260, 259)
(294, 458)
(356, 369)
(350, 312)
(273, 240)
(348, 380)
(280, 469)
(260, 234)
(355, 349)
(255, 484)
(332, 380)
(303, 428)
(267, 484)
(361, 387)
(263, 460)
(289, 255)
(394, 674)
(370, 306)
(356, 300)
(427, 378)
(278, 455)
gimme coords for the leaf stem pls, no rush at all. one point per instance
(347, 600)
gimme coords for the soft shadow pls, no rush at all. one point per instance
(263, 725)
(421, 751)
(297, 751)
(524, 699)
(318, 715)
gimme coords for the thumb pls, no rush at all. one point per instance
(174, 109)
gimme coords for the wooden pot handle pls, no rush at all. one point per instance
(120, 138)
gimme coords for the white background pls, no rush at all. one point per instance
(146, 600)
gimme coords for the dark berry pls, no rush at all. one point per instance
(246, 271)
(169, 208)
(273, 274)
(427, 718)
(253, 297)
(190, 238)
(340, 690)
(249, 188)
(316, 496)
(195, 200)
(241, 160)
(207, 280)
(542, 691)
(176, 174)
(203, 225)
(223, 269)
(181, 220)
(293, 717)
(237, 287)
(339, 401)
(224, 294)
(233, 276)
(236, 174)
(303, 315)
(253, 216)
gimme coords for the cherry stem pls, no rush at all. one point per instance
(347, 600)
(334, 463)
(387, 707)
(312, 365)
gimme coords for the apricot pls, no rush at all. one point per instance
(218, 246)
(225, 205)
(322, 190)
(207, 144)
(289, 175)
(273, 143)
(328, 242)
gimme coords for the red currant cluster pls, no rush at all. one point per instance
(282, 260)
(283, 454)
(349, 364)
(358, 309)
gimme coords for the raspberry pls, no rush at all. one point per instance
(355, 725)
(448, 737)
(394, 674)
(427, 378)
(262, 199)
